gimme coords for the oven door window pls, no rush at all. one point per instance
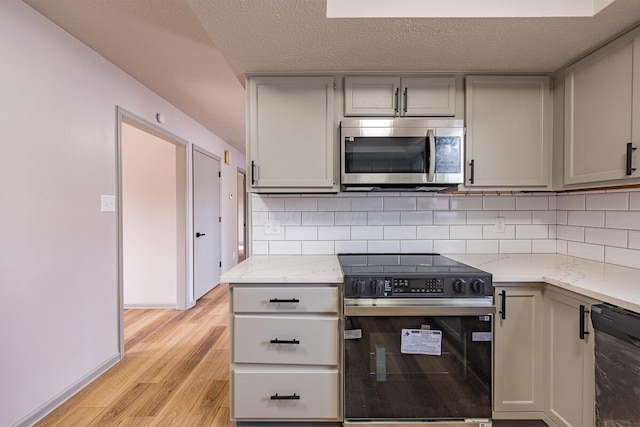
(385, 154)
(382, 381)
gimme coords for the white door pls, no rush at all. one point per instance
(206, 223)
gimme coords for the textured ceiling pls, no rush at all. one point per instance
(195, 53)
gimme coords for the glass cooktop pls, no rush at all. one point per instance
(363, 264)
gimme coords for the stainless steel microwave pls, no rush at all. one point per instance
(401, 153)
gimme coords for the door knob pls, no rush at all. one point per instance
(200, 234)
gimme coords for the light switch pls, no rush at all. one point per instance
(107, 203)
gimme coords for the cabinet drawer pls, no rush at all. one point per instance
(316, 393)
(285, 300)
(313, 340)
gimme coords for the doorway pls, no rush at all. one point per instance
(241, 191)
(207, 263)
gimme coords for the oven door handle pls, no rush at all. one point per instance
(418, 310)
(432, 155)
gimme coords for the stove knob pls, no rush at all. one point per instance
(377, 287)
(359, 287)
(459, 286)
(477, 286)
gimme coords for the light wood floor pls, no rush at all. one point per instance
(174, 373)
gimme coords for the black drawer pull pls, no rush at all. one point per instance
(291, 301)
(288, 397)
(503, 310)
(278, 341)
(630, 150)
(583, 328)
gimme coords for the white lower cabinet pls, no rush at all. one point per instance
(518, 352)
(569, 359)
(285, 353)
(285, 394)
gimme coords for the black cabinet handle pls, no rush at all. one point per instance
(397, 100)
(278, 341)
(286, 397)
(290, 301)
(198, 234)
(471, 171)
(583, 331)
(253, 172)
(503, 308)
(630, 150)
(404, 109)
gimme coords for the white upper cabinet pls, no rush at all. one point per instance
(292, 134)
(509, 132)
(602, 114)
(400, 96)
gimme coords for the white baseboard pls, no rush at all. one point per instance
(148, 306)
(63, 396)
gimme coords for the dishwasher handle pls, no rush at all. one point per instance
(617, 322)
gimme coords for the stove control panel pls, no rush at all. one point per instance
(417, 287)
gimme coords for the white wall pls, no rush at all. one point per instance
(149, 219)
(58, 252)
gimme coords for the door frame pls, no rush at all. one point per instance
(194, 149)
(184, 288)
(245, 195)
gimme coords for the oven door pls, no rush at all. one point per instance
(418, 365)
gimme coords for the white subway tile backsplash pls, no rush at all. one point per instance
(571, 202)
(532, 203)
(317, 218)
(301, 233)
(634, 239)
(482, 217)
(483, 246)
(432, 203)
(260, 248)
(337, 204)
(568, 232)
(351, 218)
(607, 202)
(634, 201)
(432, 232)
(606, 237)
(449, 217)
(449, 246)
(586, 250)
(267, 204)
(366, 204)
(515, 246)
(383, 246)
(309, 204)
(367, 232)
(553, 231)
(500, 203)
(539, 231)
(624, 257)
(562, 217)
(318, 248)
(543, 246)
(399, 203)
(334, 233)
(465, 232)
(402, 232)
(383, 218)
(562, 246)
(258, 233)
(285, 247)
(629, 220)
(416, 218)
(416, 246)
(553, 202)
(465, 203)
(490, 232)
(544, 217)
(586, 218)
(286, 218)
(350, 246)
(517, 217)
(259, 218)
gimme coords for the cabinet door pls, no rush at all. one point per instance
(509, 131)
(291, 132)
(428, 96)
(518, 354)
(598, 114)
(371, 96)
(570, 362)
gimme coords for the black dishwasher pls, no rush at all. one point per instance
(617, 366)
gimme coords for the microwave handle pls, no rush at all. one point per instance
(432, 155)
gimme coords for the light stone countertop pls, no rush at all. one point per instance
(604, 282)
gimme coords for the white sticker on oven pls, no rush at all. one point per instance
(480, 336)
(353, 334)
(421, 341)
